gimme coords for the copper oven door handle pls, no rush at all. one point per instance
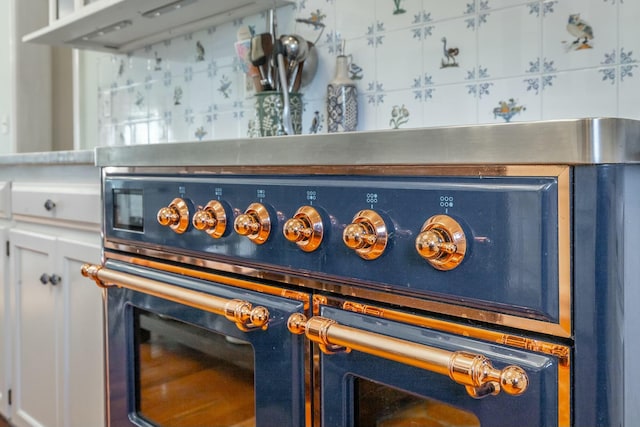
(240, 312)
(474, 371)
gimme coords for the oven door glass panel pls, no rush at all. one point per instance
(383, 406)
(269, 363)
(346, 378)
(188, 376)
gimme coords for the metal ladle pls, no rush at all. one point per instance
(310, 66)
(296, 51)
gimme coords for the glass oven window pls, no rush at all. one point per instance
(188, 376)
(378, 405)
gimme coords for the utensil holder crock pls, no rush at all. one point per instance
(268, 115)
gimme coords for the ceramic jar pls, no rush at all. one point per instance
(342, 99)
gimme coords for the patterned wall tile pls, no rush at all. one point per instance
(579, 34)
(158, 131)
(346, 26)
(584, 93)
(507, 41)
(450, 105)
(498, 4)
(394, 64)
(400, 111)
(366, 114)
(440, 10)
(629, 40)
(509, 102)
(415, 63)
(628, 105)
(398, 14)
(314, 116)
(450, 55)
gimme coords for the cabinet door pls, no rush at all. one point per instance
(36, 330)
(5, 328)
(83, 388)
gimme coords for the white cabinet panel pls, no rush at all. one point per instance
(6, 332)
(37, 331)
(83, 389)
(5, 199)
(58, 345)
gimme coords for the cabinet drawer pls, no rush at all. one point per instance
(68, 202)
(5, 199)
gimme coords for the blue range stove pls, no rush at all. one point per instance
(460, 276)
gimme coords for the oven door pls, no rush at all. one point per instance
(402, 375)
(189, 352)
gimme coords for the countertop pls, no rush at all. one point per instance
(570, 142)
(582, 141)
(49, 158)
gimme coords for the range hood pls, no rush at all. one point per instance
(121, 26)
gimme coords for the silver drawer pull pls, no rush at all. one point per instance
(238, 311)
(474, 371)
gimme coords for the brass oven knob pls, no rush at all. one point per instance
(175, 216)
(442, 242)
(254, 223)
(212, 219)
(305, 229)
(367, 235)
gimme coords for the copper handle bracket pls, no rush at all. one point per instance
(474, 371)
(315, 329)
(245, 316)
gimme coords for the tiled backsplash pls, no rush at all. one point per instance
(417, 63)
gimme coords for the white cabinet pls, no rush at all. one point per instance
(57, 368)
(125, 25)
(58, 375)
(5, 329)
(5, 298)
(37, 330)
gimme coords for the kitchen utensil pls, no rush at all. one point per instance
(260, 52)
(296, 51)
(273, 33)
(309, 66)
(286, 110)
(243, 52)
(259, 59)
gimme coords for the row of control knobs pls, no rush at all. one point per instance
(441, 240)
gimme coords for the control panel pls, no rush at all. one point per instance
(461, 239)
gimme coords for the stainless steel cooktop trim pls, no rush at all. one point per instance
(581, 141)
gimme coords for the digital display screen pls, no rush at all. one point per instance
(127, 209)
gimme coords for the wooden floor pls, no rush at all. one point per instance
(183, 387)
(4, 423)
